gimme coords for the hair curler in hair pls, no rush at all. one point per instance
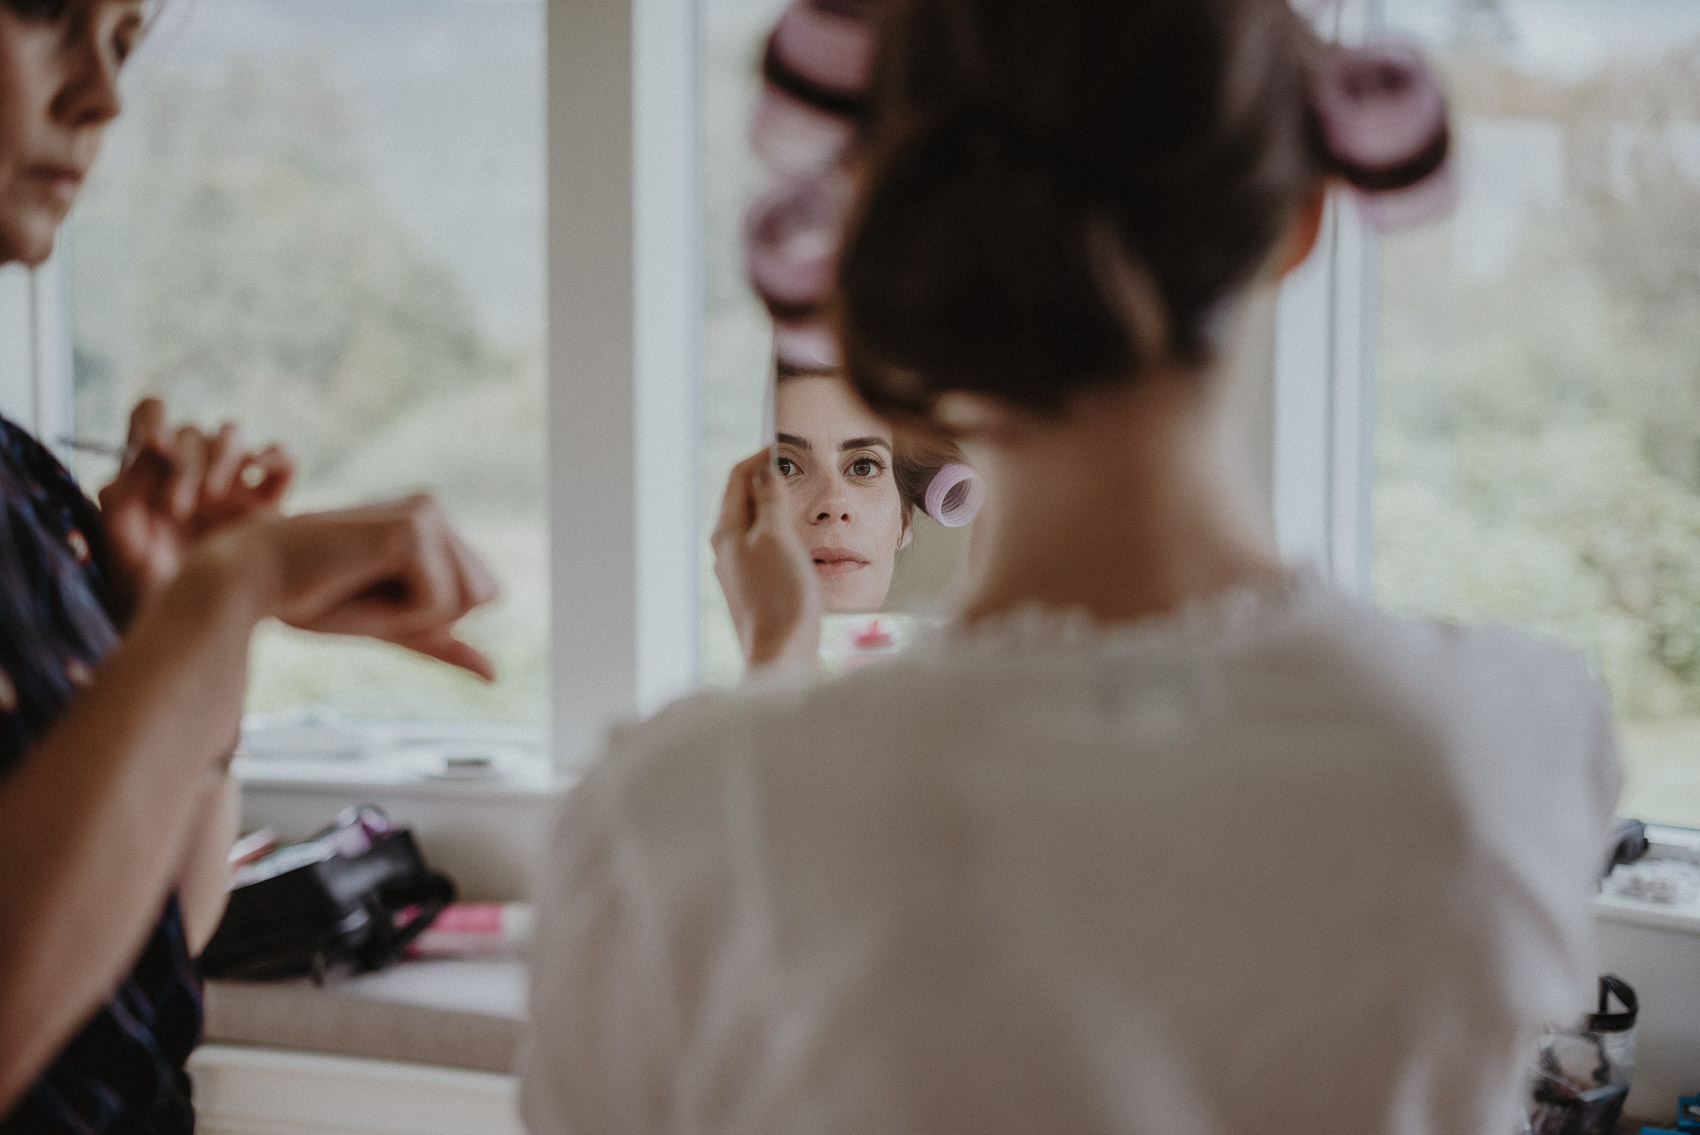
(814, 77)
(791, 237)
(823, 52)
(1383, 123)
(815, 73)
(954, 495)
(791, 243)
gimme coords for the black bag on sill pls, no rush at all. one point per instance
(1582, 1075)
(355, 895)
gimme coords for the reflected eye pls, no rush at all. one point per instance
(866, 467)
(786, 467)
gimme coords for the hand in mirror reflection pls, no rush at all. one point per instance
(764, 570)
(826, 533)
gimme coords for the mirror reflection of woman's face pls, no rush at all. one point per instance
(835, 457)
(59, 62)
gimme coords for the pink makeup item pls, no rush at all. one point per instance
(476, 929)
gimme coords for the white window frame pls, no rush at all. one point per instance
(1323, 443)
(1324, 403)
(624, 330)
(624, 310)
(35, 349)
(624, 316)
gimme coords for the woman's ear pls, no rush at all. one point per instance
(1303, 230)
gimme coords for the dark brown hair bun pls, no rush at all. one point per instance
(1057, 196)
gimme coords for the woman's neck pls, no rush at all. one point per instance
(1130, 504)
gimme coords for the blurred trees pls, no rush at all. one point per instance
(1539, 446)
(236, 257)
(245, 264)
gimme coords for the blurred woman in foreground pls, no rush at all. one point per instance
(1163, 835)
(124, 636)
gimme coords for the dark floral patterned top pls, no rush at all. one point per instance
(123, 1071)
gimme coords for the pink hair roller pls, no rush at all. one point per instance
(1391, 211)
(790, 136)
(831, 50)
(791, 241)
(954, 495)
(819, 58)
(791, 237)
(1383, 119)
(809, 344)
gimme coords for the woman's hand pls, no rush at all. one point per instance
(764, 570)
(395, 572)
(177, 487)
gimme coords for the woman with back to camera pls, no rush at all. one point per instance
(1162, 835)
(124, 636)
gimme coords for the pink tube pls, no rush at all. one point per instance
(954, 495)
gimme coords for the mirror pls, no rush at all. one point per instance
(885, 516)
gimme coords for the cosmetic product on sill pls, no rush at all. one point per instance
(849, 642)
(1668, 882)
(476, 930)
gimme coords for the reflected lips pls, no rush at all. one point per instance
(833, 563)
(60, 182)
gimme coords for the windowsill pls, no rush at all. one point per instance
(523, 781)
(1680, 918)
(453, 1013)
(316, 747)
(288, 1092)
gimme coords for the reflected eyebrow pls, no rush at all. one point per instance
(863, 443)
(793, 441)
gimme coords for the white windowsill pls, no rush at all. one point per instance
(523, 784)
(1681, 918)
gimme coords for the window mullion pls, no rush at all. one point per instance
(54, 377)
(624, 310)
(1324, 383)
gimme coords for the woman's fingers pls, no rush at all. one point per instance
(265, 476)
(763, 571)
(225, 457)
(455, 652)
(752, 491)
(737, 506)
(768, 500)
(396, 572)
(146, 433)
(189, 454)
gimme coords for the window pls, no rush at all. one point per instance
(1537, 436)
(738, 335)
(325, 222)
(325, 219)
